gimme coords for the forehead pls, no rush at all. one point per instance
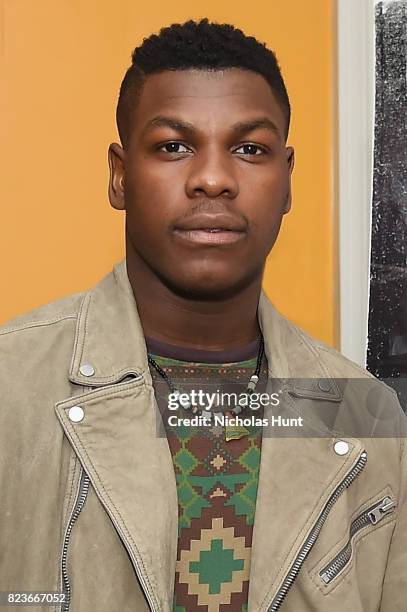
(208, 97)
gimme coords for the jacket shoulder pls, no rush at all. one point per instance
(340, 367)
(336, 364)
(43, 335)
(53, 312)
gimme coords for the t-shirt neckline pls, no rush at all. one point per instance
(183, 353)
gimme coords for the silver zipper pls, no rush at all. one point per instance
(78, 505)
(371, 516)
(314, 533)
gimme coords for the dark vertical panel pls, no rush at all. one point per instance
(387, 335)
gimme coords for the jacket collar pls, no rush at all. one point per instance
(109, 337)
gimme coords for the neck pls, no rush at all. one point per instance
(207, 325)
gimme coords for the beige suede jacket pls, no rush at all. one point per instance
(88, 501)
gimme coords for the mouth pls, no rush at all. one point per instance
(209, 235)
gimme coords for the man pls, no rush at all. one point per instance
(91, 484)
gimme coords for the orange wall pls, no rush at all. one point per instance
(63, 63)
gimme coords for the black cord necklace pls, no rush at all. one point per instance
(242, 403)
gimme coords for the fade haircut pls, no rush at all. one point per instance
(196, 45)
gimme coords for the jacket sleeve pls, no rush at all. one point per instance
(394, 594)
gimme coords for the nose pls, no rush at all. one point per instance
(211, 174)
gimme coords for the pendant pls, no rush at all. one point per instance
(234, 432)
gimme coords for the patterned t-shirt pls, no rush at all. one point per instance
(217, 488)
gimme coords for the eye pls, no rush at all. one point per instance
(250, 149)
(174, 147)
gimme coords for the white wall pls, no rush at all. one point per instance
(356, 90)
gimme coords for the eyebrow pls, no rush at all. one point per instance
(240, 128)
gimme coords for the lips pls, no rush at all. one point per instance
(212, 222)
(214, 229)
(209, 236)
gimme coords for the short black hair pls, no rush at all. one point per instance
(200, 45)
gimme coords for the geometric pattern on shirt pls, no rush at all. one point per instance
(215, 526)
(215, 568)
(217, 489)
(235, 478)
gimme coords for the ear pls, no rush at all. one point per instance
(290, 161)
(116, 159)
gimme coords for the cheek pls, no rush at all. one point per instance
(149, 173)
(146, 223)
(265, 232)
(267, 202)
(265, 184)
(150, 189)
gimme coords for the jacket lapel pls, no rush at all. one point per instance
(297, 474)
(117, 441)
(131, 471)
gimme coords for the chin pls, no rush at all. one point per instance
(203, 293)
(215, 288)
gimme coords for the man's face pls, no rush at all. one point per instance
(205, 179)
